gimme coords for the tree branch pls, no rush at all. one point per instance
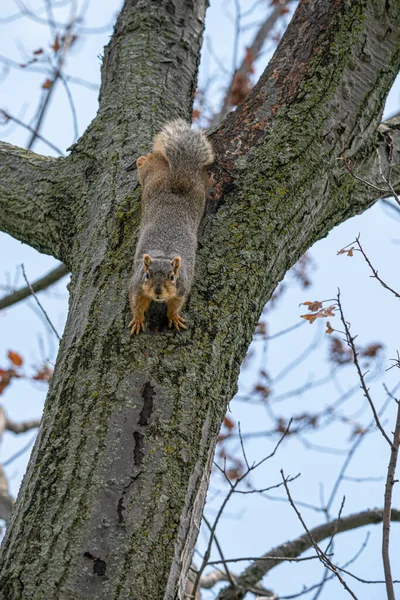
(303, 98)
(253, 53)
(38, 286)
(33, 203)
(6, 501)
(255, 572)
(22, 427)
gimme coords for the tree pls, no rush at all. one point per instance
(111, 502)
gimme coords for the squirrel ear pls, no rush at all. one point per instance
(147, 260)
(140, 161)
(176, 264)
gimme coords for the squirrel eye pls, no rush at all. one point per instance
(146, 276)
(172, 277)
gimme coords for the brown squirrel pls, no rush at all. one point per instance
(174, 180)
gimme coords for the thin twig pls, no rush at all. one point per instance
(264, 557)
(231, 491)
(390, 481)
(321, 555)
(19, 452)
(350, 342)
(374, 271)
(39, 285)
(223, 561)
(9, 117)
(38, 302)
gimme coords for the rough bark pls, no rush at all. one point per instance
(113, 496)
(34, 200)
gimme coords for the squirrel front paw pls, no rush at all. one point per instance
(177, 321)
(136, 325)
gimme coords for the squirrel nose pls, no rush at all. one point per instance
(158, 290)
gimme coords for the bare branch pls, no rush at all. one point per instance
(38, 286)
(257, 570)
(374, 271)
(350, 342)
(6, 501)
(39, 304)
(253, 51)
(22, 427)
(232, 490)
(390, 481)
(32, 195)
(34, 130)
(321, 555)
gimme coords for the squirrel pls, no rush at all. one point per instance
(174, 181)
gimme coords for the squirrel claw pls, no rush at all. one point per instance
(135, 326)
(177, 321)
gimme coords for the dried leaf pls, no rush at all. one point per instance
(240, 87)
(314, 306)
(47, 84)
(56, 46)
(329, 328)
(324, 312)
(372, 350)
(44, 374)
(15, 358)
(229, 424)
(349, 252)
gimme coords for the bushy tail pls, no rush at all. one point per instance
(186, 150)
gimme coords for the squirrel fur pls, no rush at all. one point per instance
(174, 181)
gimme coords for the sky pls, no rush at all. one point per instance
(252, 524)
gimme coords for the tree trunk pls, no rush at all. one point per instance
(112, 500)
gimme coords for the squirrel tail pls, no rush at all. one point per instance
(186, 150)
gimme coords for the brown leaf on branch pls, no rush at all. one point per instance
(372, 350)
(349, 252)
(339, 353)
(261, 328)
(56, 46)
(329, 311)
(262, 389)
(300, 270)
(5, 378)
(228, 423)
(38, 51)
(358, 430)
(44, 374)
(15, 358)
(47, 84)
(329, 328)
(240, 88)
(313, 306)
(249, 60)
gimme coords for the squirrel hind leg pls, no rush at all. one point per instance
(151, 164)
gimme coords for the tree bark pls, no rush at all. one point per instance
(34, 203)
(112, 500)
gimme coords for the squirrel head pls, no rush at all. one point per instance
(160, 277)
